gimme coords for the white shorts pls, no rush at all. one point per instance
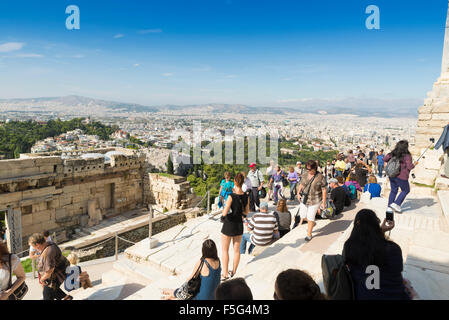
(308, 212)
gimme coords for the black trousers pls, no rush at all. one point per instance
(254, 199)
(53, 294)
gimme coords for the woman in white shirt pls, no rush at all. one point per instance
(17, 269)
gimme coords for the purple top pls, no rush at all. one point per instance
(406, 166)
(293, 176)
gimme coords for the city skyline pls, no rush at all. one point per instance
(288, 53)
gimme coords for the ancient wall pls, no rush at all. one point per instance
(170, 192)
(433, 116)
(58, 194)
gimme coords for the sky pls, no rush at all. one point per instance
(253, 52)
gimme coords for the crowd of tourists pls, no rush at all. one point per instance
(247, 223)
(339, 182)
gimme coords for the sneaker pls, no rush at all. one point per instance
(395, 207)
(308, 238)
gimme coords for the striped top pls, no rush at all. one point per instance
(263, 225)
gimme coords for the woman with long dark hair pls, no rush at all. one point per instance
(209, 273)
(236, 208)
(402, 153)
(368, 250)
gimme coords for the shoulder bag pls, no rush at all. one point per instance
(191, 288)
(21, 291)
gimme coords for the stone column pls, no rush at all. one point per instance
(14, 230)
(432, 117)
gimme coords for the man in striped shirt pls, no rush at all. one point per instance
(264, 225)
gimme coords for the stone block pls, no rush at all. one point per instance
(72, 188)
(64, 201)
(27, 220)
(61, 213)
(41, 217)
(10, 197)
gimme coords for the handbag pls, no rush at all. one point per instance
(190, 288)
(21, 291)
(366, 196)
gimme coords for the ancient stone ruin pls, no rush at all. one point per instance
(432, 118)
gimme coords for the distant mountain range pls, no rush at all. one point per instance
(82, 105)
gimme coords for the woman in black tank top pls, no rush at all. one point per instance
(236, 208)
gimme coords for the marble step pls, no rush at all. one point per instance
(106, 291)
(429, 258)
(443, 197)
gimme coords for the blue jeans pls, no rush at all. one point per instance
(292, 190)
(338, 173)
(380, 167)
(397, 183)
(246, 237)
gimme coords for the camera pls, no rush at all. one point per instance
(304, 197)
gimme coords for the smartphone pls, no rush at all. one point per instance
(390, 216)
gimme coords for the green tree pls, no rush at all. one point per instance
(170, 169)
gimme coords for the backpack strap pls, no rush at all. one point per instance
(10, 272)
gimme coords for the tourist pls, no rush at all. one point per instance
(283, 218)
(329, 170)
(209, 273)
(34, 254)
(353, 186)
(257, 181)
(368, 246)
(47, 236)
(51, 267)
(270, 171)
(293, 180)
(371, 155)
(299, 170)
(347, 169)
(226, 187)
(293, 284)
(373, 187)
(380, 163)
(246, 187)
(83, 276)
(351, 158)
(338, 195)
(361, 172)
(341, 183)
(235, 289)
(340, 166)
(276, 179)
(375, 163)
(443, 142)
(237, 206)
(9, 263)
(363, 158)
(402, 153)
(311, 193)
(263, 224)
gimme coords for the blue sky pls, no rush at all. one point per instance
(254, 52)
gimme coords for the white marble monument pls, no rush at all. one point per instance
(432, 118)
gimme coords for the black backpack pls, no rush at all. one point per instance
(336, 278)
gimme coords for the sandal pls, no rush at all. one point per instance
(224, 278)
(231, 274)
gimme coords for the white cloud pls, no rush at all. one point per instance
(11, 46)
(136, 65)
(146, 31)
(118, 36)
(29, 55)
(167, 74)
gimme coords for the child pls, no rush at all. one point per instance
(84, 277)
